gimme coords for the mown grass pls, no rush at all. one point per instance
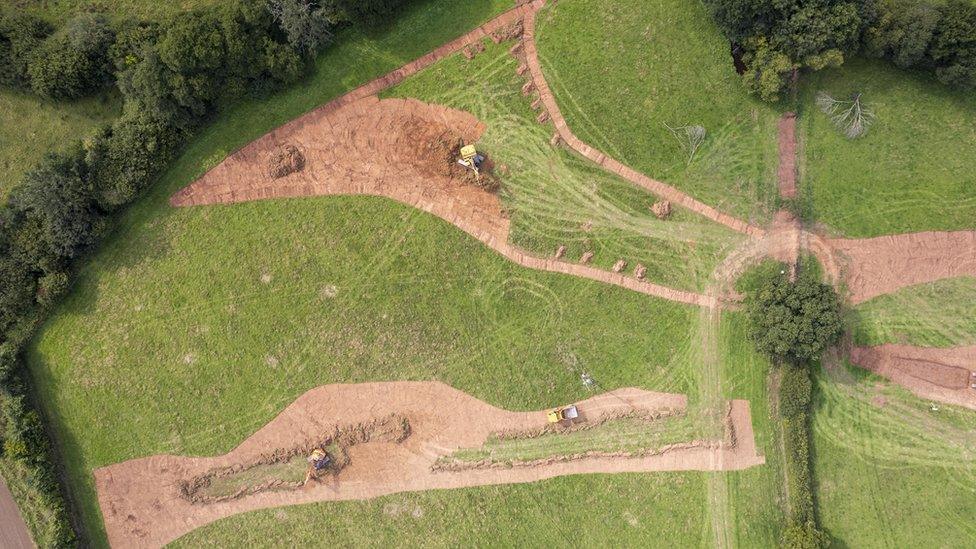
(30, 127)
(892, 470)
(622, 69)
(935, 314)
(911, 172)
(556, 198)
(631, 435)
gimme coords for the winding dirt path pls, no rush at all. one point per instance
(143, 507)
(608, 163)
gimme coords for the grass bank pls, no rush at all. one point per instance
(935, 314)
(556, 198)
(663, 62)
(892, 469)
(911, 172)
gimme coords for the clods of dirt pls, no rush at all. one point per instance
(620, 265)
(640, 272)
(560, 252)
(661, 209)
(586, 257)
(285, 160)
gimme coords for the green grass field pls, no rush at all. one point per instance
(891, 470)
(937, 314)
(913, 170)
(556, 198)
(282, 296)
(664, 62)
(29, 127)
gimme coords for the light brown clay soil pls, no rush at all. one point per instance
(933, 373)
(394, 148)
(13, 531)
(143, 506)
(876, 266)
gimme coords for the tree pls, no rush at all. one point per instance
(193, 52)
(690, 138)
(127, 156)
(20, 36)
(793, 321)
(57, 194)
(74, 61)
(953, 49)
(782, 37)
(308, 27)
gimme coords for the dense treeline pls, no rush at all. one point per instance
(172, 76)
(781, 38)
(794, 322)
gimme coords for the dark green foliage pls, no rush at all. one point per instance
(793, 321)
(125, 157)
(74, 61)
(57, 193)
(50, 287)
(794, 392)
(938, 37)
(307, 27)
(20, 36)
(366, 12)
(782, 37)
(953, 50)
(794, 398)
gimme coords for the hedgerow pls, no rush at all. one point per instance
(173, 77)
(793, 321)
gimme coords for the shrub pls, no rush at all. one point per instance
(126, 156)
(793, 321)
(58, 195)
(20, 36)
(50, 287)
(74, 61)
(794, 391)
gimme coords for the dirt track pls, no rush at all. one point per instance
(876, 266)
(13, 531)
(143, 507)
(933, 373)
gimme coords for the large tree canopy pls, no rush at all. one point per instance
(793, 321)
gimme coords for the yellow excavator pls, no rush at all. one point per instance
(471, 159)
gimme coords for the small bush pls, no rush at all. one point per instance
(73, 62)
(20, 36)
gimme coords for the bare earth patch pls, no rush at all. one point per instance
(882, 265)
(144, 504)
(934, 373)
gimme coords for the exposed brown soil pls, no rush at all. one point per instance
(787, 155)
(13, 531)
(143, 505)
(876, 266)
(938, 374)
(402, 149)
(392, 428)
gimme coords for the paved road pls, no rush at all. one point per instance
(13, 531)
